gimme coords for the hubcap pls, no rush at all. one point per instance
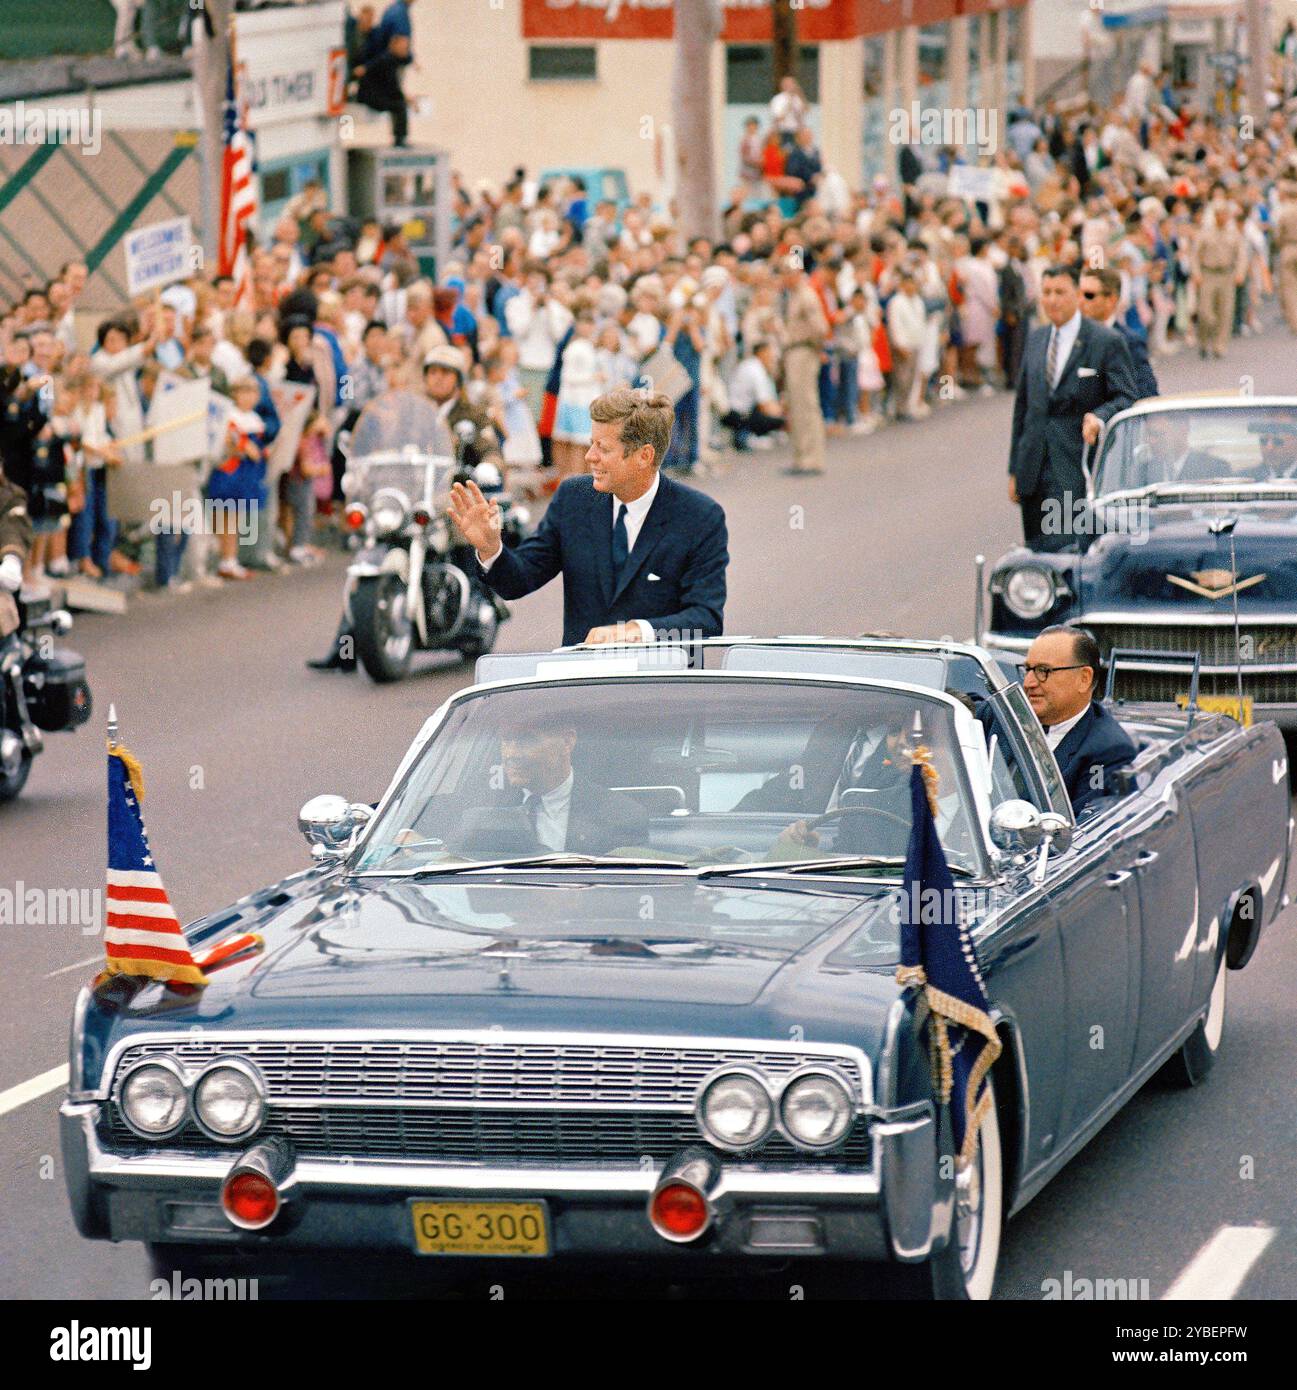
(968, 1211)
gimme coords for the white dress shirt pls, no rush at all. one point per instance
(636, 512)
(1056, 733)
(1066, 342)
(552, 818)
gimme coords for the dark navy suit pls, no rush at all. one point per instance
(1095, 747)
(1137, 346)
(674, 578)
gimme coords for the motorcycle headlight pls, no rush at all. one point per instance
(388, 510)
(229, 1100)
(439, 534)
(815, 1110)
(1029, 592)
(487, 475)
(735, 1110)
(153, 1098)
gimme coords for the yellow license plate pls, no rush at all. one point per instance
(480, 1228)
(1222, 704)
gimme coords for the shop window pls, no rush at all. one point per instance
(1014, 18)
(274, 186)
(933, 62)
(875, 49)
(750, 74)
(562, 62)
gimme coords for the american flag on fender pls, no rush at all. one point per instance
(142, 934)
(238, 194)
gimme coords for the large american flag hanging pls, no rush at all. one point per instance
(238, 192)
(142, 934)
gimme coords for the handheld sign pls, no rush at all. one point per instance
(158, 255)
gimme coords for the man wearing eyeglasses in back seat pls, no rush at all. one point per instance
(1060, 676)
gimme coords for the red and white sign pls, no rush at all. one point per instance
(337, 93)
(746, 21)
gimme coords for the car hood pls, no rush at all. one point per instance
(472, 954)
(1135, 568)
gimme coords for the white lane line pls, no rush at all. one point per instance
(1217, 1271)
(80, 965)
(32, 1090)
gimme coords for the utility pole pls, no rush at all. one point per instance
(211, 60)
(697, 27)
(783, 40)
(1258, 62)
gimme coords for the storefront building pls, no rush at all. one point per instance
(582, 83)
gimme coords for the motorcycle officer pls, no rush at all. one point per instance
(15, 542)
(444, 370)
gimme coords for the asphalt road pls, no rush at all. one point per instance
(234, 735)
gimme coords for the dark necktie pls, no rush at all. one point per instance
(531, 809)
(620, 542)
(1051, 359)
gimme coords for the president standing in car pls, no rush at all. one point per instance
(642, 556)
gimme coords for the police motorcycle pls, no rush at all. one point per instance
(413, 584)
(43, 687)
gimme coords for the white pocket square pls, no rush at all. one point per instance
(1086, 371)
(654, 578)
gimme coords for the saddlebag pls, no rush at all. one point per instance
(57, 692)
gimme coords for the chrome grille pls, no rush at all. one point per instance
(466, 1071)
(1262, 643)
(1162, 687)
(494, 1136)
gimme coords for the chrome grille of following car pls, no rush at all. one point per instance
(410, 1081)
(435, 1070)
(1264, 644)
(1164, 687)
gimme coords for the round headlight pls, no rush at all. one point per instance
(1029, 592)
(153, 1098)
(735, 1110)
(815, 1110)
(388, 510)
(229, 1100)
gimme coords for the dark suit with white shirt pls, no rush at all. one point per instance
(1090, 752)
(598, 820)
(1094, 378)
(673, 577)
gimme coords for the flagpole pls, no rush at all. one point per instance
(112, 727)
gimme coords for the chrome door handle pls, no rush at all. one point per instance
(1146, 856)
(1117, 879)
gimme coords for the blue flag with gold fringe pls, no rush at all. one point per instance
(937, 956)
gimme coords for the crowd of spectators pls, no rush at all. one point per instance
(862, 308)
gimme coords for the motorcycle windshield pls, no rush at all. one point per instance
(398, 422)
(400, 442)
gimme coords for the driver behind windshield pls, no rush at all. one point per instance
(1278, 441)
(548, 802)
(1167, 456)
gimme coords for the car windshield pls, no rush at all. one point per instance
(691, 772)
(1184, 447)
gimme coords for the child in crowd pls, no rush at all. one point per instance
(311, 471)
(239, 483)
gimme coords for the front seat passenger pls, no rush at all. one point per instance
(1060, 676)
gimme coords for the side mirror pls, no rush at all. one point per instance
(1016, 827)
(329, 822)
(1056, 836)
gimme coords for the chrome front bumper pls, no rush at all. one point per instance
(890, 1211)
